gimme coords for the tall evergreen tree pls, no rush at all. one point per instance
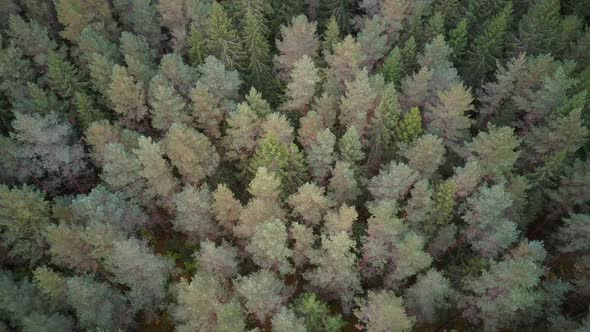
(222, 40)
(258, 57)
(487, 48)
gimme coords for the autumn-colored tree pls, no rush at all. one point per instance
(191, 153)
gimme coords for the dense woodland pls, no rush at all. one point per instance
(294, 165)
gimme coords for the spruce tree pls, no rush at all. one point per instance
(258, 57)
(487, 48)
(458, 40)
(392, 68)
(538, 29)
(222, 40)
(410, 126)
(63, 77)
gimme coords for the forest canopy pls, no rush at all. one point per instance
(294, 165)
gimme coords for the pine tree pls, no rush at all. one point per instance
(309, 127)
(447, 118)
(517, 276)
(487, 48)
(193, 213)
(341, 220)
(495, 151)
(263, 293)
(335, 274)
(240, 140)
(167, 106)
(103, 207)
(286, 321)
(181, 75)
(174, 16)
(157, 172)
(265, 189)
(139, 57)
(383, 311)
(191, 153)
(344, 65)
(206, 110)
(220, 261)
(297, 40)
(201, 300)
(127, 96)
(395, 13)
(75, 15)
(573, 235)
(343, 186)
(320, 155)
(302, 85)
(373, 41)
(425, 155)
(134, 265)
(222, 81)
(431, 292)
(23, 215)
(222, 40)
(121, 173)
(356, 104)
(466, 179)
(393, 182)
(310, 203)
(268, 247)
(96, 304)
(420, 208)
(41, 158)
(494, 94)
(416, 89)
(278, 125)
(489, 231)
(226, 208)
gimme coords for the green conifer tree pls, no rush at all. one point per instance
(487, 48)
(258, 57)
(222, 40)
